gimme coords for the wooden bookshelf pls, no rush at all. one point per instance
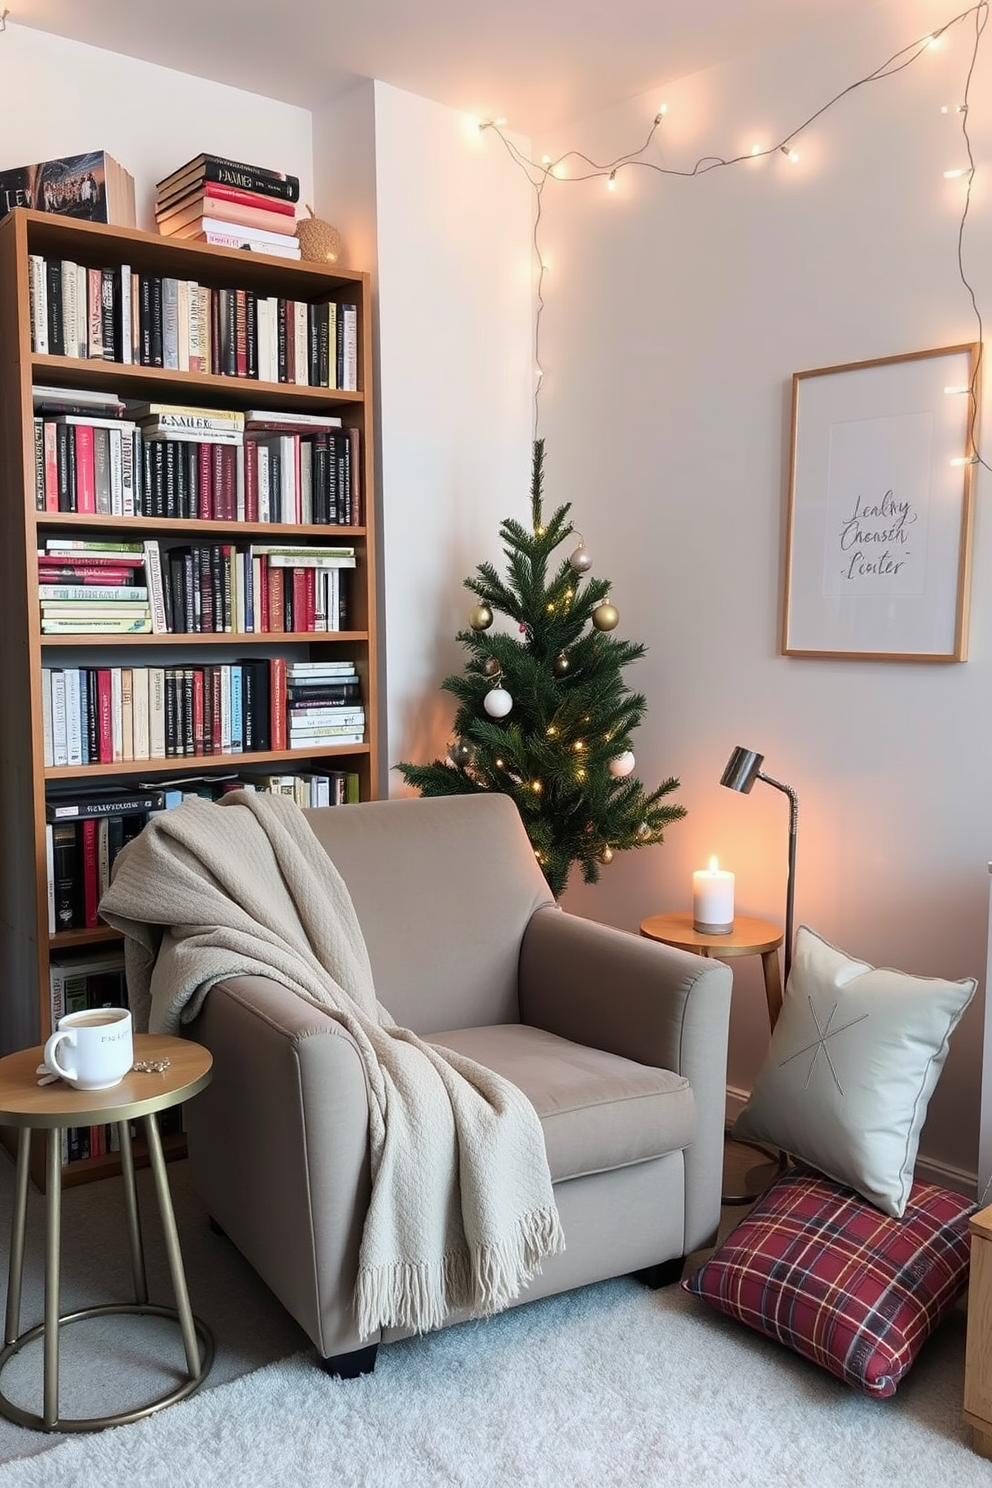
(26, 943)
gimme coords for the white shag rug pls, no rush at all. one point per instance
(612, 1386)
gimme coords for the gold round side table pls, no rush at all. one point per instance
(27, 1105)
(749, 937)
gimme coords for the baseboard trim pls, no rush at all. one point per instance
(927, 1169)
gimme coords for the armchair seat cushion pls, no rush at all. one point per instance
(598, 1110)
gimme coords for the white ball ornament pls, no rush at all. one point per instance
(497, 702)
(581, 558)
(622, 765)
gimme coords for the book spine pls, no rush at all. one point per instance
(156, 587)
(109, 320)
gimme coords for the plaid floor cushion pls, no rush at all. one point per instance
(827, 1274)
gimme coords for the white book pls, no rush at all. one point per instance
(256, 589)
(94, 312)
(239, 481)
(301, 343)
(139, 703)
(38, 292)
(116, 716)
(60, 746)
(127, 474)
(70, 308)
(73, 717)
(156, 712)
(82, 319)
(155, 586)
(225, 710)
(127, 334)
(349, 341)
(306, 482)
(320, 598)
(170, 322)
(117, 472)
(46, 714)
(182, 324)
(264, 495)
(194, 353)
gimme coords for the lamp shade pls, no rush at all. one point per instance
(742, 770)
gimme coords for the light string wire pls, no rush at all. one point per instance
(539, 173)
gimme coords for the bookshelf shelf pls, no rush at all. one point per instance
(30, 242)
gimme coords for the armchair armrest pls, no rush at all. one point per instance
(610, 989)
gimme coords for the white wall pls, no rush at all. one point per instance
(455, 364)
(58, 97)
(677, 311)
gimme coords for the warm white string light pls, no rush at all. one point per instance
(539, 173)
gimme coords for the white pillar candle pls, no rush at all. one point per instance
(713, 900)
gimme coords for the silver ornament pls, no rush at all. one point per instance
(622, 765)
(581, 558)
(460, 753)
(497, 702)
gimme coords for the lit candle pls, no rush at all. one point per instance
(713, 900)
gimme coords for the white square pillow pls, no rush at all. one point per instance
(850, 1069)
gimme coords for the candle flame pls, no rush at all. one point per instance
(714, 865)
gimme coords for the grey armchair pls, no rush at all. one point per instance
(620, 1044)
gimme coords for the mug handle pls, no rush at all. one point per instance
(50, 1050)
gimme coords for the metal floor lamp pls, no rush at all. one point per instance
(742, 770)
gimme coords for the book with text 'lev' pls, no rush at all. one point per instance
(91, 186)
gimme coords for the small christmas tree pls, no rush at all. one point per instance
(544, 715)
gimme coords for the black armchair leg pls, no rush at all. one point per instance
(350, 1366)
(665, 1273)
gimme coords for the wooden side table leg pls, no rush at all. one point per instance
(15, 1270)
(133, 1215)
(53, 1232)
(172, 1248)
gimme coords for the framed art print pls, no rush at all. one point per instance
(880, 506)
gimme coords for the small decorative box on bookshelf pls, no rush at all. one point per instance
(188, 566)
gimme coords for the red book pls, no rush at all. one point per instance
(240, 333)
(204, 482)
(277, 620)
(310, 576)
(299, 598)
(220, 192)
(198, 745)
(91, 877)
(216, 733)
(85, 469)
(59, 557)
(68, 573)
(277, 701)
(51, 467)
(104, 702)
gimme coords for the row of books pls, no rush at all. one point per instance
(230, 203)
(153, 320)
(106, 715)
(86, 588)
(166, 460)
(82, 847)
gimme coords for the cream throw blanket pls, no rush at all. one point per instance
(462, 1211)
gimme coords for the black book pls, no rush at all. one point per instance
(255, 705)
(66, 874)
(156, 341)
(235, 173)
(186, 707)
(145, 319)
(251, 331)
(56, 320)
(321, 505)
(62, 442)
(227, 334)
(108, 318)
(176, 588)
(171, 491)
(171, 713)
(323, 692)
(324, 349)
(313, 344)
(282, 364)
(206, 582)
(110, 801)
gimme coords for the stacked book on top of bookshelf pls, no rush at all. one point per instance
(93, 187)
(230, 204)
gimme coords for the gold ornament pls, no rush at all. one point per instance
(492, 667)
(643, 832)
(606, 856)
(481, 617)
(606, 616)
(319, 241)
(460, 753)
(561, 664)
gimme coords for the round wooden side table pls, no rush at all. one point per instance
(749, 937)
(27, 1105)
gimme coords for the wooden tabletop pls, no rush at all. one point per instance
(749, 937)
(23, 1102)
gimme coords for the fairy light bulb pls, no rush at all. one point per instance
(662, 111)
(757, 150)
(956, 173)
(611, 184)
(789, 153)
(953, 108)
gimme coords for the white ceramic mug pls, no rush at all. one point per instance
(96, 1045)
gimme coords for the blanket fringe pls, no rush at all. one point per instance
(422, 1295)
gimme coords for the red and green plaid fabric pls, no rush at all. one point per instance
(831, 1277)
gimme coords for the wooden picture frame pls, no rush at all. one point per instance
(878, 540)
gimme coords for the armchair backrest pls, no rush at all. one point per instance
(444, 888)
